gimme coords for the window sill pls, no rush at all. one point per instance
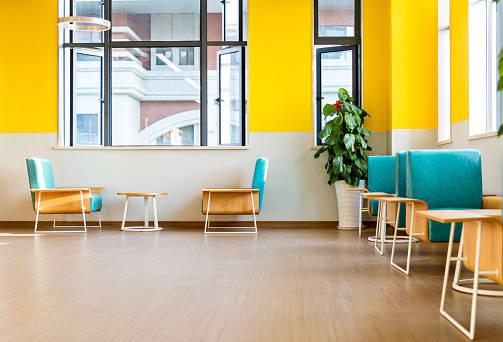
(482, 136)
(444, 142)
(151, 148)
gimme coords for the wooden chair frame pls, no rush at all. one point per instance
(230, 202)
(64, 201)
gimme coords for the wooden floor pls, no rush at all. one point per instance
(303, 284)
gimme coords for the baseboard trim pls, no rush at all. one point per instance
(187, 224)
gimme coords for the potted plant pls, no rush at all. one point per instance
(344, 139)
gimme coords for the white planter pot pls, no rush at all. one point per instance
(348, 203)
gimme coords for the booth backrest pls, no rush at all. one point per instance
(381, 177)
(445, 178)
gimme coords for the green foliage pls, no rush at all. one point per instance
(344, 140)
(500, 80)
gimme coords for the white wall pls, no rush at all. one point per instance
(296, 188)
(491, 149)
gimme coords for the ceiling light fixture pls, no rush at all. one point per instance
(79, 23)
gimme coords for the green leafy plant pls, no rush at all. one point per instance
(344, 139)
(500, 80)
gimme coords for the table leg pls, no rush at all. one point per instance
(154, 206)
(145, 199)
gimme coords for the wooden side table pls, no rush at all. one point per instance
(146, 195)
(453, 216)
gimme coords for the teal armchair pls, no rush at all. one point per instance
(241, 201)
(47, 199)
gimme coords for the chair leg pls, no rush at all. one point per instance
(254, 217)
(83, 211)
(206, 225)
(394, 235)
(125, 212)
(409, 250)
(38, 212)
(360, 216)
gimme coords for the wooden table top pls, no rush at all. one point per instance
(397, 200)
(142, 193)
(494, 213)
(374, 195)
(450, 216)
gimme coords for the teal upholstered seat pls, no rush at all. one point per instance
(259, 178)
(41, 178)
(381, 177)
(444, 179)
(40, 175)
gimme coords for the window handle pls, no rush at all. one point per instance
(218, 101)
(102, 100)
(320, 98)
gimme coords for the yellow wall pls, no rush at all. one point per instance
(29, 67)
(376, 58)
(280, 65)
(459, 60)
(414, 40)
(399, 61)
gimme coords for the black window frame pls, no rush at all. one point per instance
(108, 44)
(331, 44)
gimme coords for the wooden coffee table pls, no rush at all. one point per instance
(145, 195)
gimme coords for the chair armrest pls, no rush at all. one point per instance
(491, 202)
(56, 190)
(231, 190)
(96, 189)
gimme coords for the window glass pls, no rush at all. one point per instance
(484, 36)
(155, 20)
(87, 8)
(156, 103)
(335, 69)
(230, 96)
(444, 72)
(87, 99)
(336, 18)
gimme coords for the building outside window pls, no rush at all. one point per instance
(337, 44)
(158, 77)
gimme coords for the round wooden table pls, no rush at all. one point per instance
(145, 195)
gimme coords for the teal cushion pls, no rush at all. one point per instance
(439, 232)
(381, 177)
(445, 178)
(259, 178)
(40, 175)
(96, 202)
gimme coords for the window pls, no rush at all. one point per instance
(155, 78)
(484, 36)
(444, 72)
(337, 53)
